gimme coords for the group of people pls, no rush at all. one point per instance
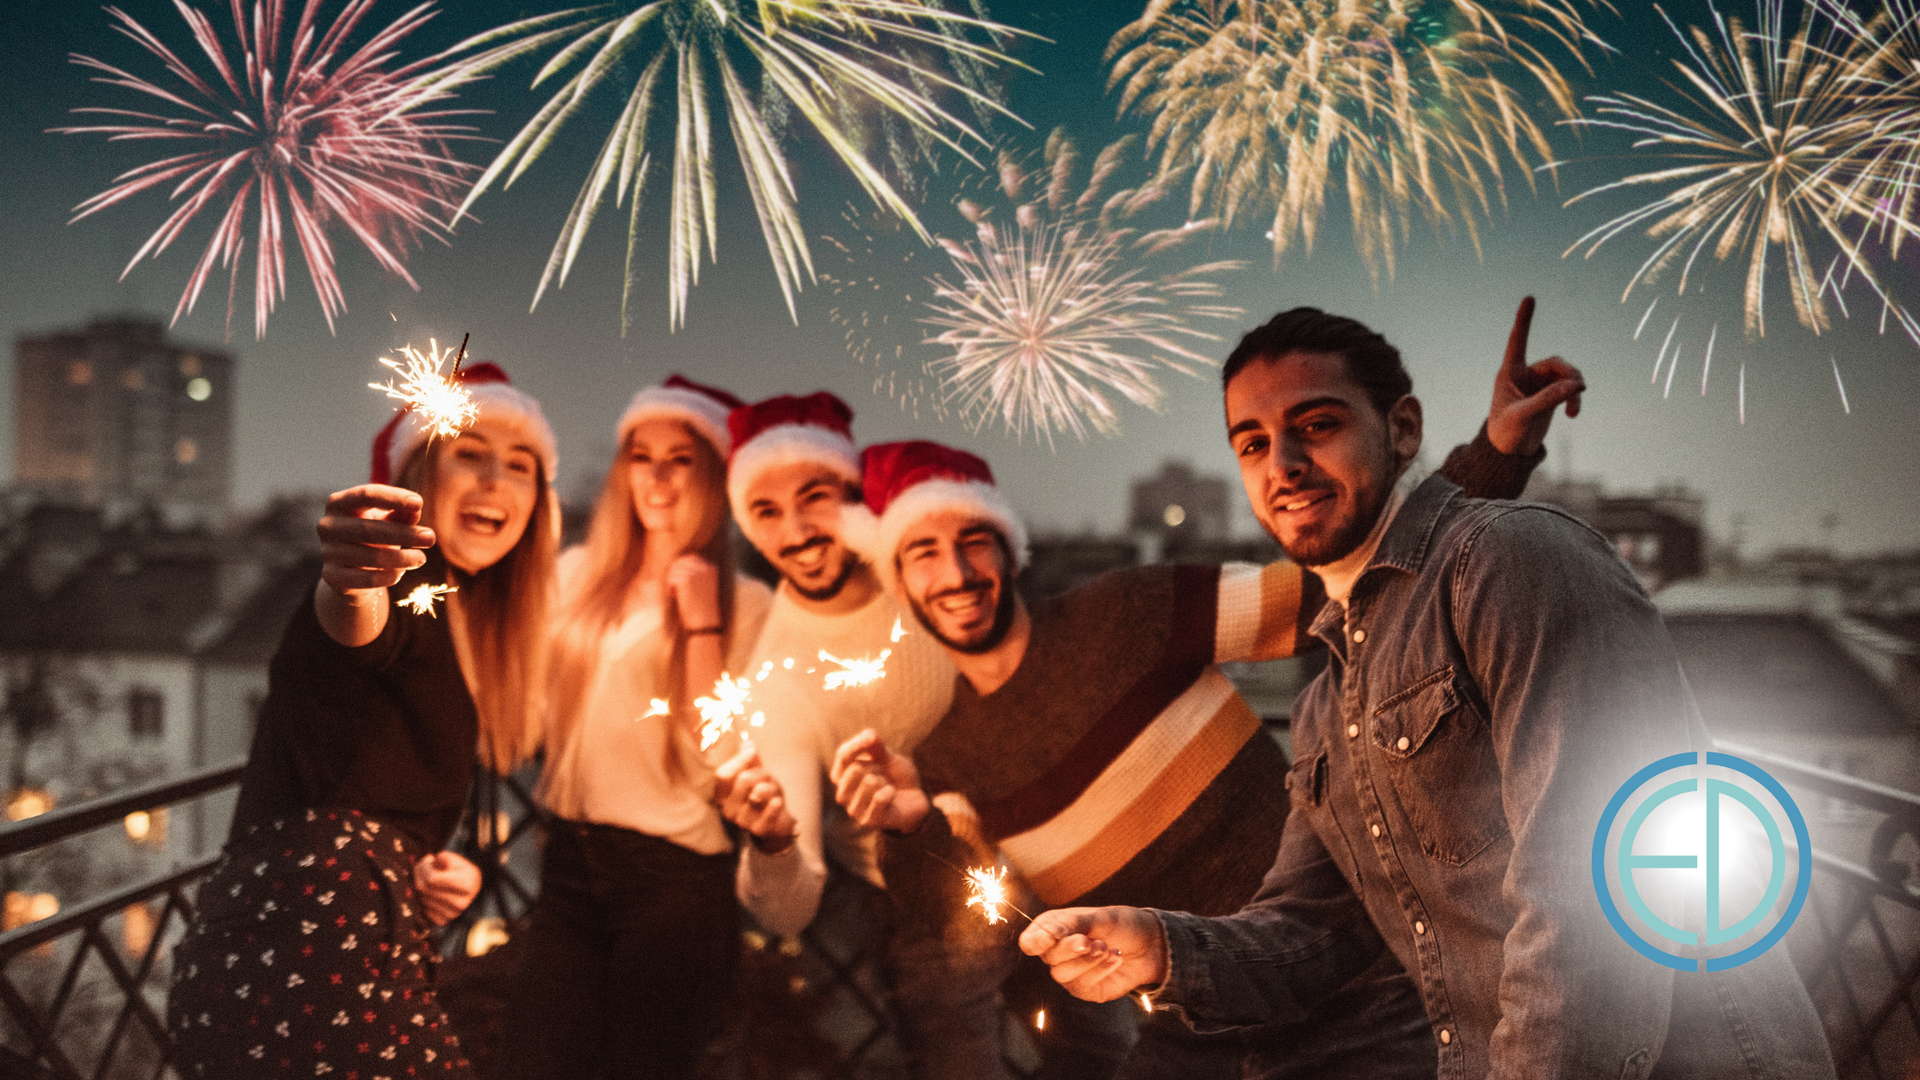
(1406, 897)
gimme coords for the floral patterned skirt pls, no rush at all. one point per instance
(308, 956)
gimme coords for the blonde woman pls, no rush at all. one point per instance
(308, 953)
(632, 942)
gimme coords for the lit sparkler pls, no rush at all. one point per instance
(756, 65)
(898, 630)
(420, 600)
(291, 126)
(1266, 105)
(987, 890)
(856, 672)
(1054, 311)
(728, 704)
(1763, 140)
(439, 399)
(656, 707)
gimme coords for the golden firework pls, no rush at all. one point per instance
(748, 69)
(1764, 140)
(1266, 106)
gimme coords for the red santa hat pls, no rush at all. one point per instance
(787, 430)
(702, 408)
(494, 395)
(906, 481)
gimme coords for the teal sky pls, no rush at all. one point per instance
(305, 416)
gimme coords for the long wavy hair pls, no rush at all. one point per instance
(498, 618)
(594, 597)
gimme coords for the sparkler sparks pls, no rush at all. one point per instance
(301, 132)
(898, 630)
(420, 600)
(1764, 137)
(656, 707)
(1053, 311)
(857, 672)
(987, 890)
(755, 65)
(439, 399)
(718, 713)
(1274, 102)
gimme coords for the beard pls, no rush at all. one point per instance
(994, 635)
(849, 562)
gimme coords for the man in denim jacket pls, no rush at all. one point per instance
(1496, 673)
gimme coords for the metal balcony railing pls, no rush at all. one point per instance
(817, 1005)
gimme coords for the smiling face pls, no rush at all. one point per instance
(793, 518)
(486, 481)
(674, 479)
(957, 576)
(1317, 458)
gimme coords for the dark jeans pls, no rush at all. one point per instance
(630, 953)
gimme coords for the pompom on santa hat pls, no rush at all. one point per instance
(788, 430)
(702, 408)
(906, 481)
(494, 395)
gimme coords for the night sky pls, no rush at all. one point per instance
(305, 416)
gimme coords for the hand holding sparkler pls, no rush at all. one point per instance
(1099, 954)
(447, 883)
(879, 788)
(750, 797)
(369, 538)
(1525, 395)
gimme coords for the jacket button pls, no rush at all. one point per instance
(1403, 743)
(1353, 731)
(1376, 830)
(1359, 635)
(1419, 927)
(1445, 1036)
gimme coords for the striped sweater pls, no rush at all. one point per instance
(1118, 765)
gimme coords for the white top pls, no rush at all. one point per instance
(806, 722)
(1342, 574)
(623, 767)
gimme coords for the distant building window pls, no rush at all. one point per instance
(189, 367)
(133, 378)
(186, 451)
(80, 373)
(146, 713)
(199, 389)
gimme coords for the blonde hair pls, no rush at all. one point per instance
(498, 620)
(596, 594)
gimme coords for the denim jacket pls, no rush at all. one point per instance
(1498, 674)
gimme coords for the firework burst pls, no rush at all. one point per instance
(876, 272)
(1267, 105)
(1884, 64)
(295, 129)
(755, 65)
(1054, 311)
(1768, 146)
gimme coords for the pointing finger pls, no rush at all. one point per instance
(1516, 358)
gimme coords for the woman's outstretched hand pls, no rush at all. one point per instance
(370, 537)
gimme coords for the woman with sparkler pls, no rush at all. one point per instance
(308, 951)
(632, 943)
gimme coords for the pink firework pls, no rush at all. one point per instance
(297, 130)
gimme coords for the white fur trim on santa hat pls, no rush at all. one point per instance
(494, 399)
(788, 444)
(931, 496)
(707, 416)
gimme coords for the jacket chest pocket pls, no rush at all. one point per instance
(1439, 756)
